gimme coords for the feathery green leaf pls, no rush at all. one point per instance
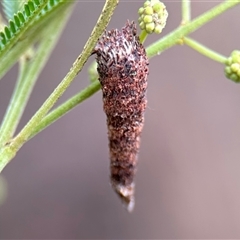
(10, 7)
(28, 30)
(27, 16)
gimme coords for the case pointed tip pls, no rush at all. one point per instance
(126, 193)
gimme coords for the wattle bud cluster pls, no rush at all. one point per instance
(232, 69)
(152, 16)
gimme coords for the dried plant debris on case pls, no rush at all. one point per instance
(123, 69)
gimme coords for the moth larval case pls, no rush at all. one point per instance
(123, 69)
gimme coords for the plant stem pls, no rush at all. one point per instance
(67, 106)
(72, 102)
(172, 38)
(92, 72)
(6, 155)
(186, 11)
(10, 119)
(24, 134)
(204, 50)
(143, 36)
(24, 87)
(29, 72)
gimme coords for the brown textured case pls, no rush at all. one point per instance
(123, 69)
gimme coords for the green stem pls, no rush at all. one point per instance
(66, 107)
(29, 73)
(57, 113)
(172, 38)
(10, 119)
(25, 86)
(6, 155)
(143, 36)
(92, 72)
(103, 20)
(204, 50)
(186, 11)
